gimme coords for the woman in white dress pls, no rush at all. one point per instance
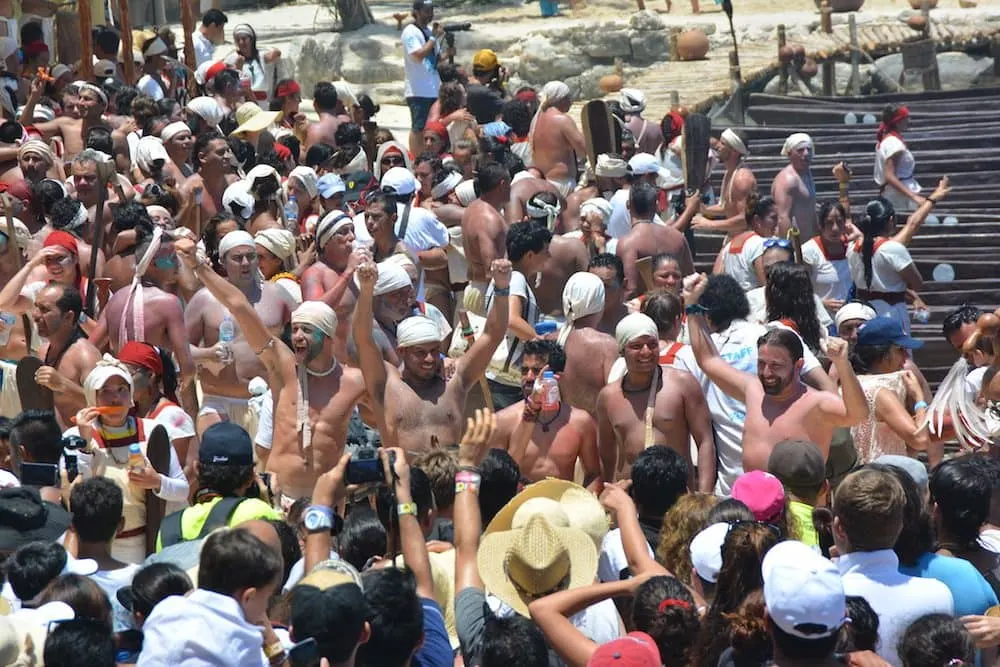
(741, 255)
(256, 66)
(894, 163)
(826, 256)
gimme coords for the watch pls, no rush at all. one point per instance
(320, 519)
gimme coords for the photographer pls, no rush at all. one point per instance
(486, 96)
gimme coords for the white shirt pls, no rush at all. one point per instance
(758, 309)
(110, 581)
(893, 146)
(620, 222)
(422, 79)
(204, 629)
(612, 559)
(149, 86)
(203, 48)
(178, 423)
(518, 287)
(898, 599)
(739, 265)
(889, 259)
(737, 345)
(831, 278)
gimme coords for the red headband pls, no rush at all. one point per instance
(438, 128)
(214, 69)
(63, 240)
(676, 125)
(672, 602)
(887, 128)
(283, 151)
(288, 88)
(141, 354)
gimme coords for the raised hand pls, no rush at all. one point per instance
(501, 270)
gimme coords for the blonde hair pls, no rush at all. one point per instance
(684, 520)
(440, 466)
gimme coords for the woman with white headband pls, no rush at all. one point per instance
(178, 141)
(256, 66)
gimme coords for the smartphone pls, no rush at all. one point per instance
(304, 654)
(40, 474)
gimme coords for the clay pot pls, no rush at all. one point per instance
(692, 45)
(610, 83)
(809, 69)
(917, 22)
(785, 54)
(917, 4)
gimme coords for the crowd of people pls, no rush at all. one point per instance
(281, 391)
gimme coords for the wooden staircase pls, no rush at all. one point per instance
(954, 133)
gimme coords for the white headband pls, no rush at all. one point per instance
(634, 326)
(316, 314)
(449, 183)
(794, 141)
(731, 139)
(330, 225)
(172, 130)
(538, 209)
(391, 277)
(417, 330)
(854, 311)
(107, 368)
(235, 239)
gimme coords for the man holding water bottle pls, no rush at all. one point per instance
(229, 365)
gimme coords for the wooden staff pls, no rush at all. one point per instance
(86, 45)
(187, 20)
(128, 62)
(8, 210)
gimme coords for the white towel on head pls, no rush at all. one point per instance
(794, 141)
(731, 139)
(634, 326)
(333, 222)
(238, 193)
(279, 242)
(148, 151)
(107, 368)
(308, 178)
(235, 239)
(391, 277)
(632, 100)
(208, 109)
(854, 311)
(316, 314)
(172, 130)
(597, 205)
(417, 330)
(583, 295)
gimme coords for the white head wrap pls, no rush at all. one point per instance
(235, 239)
(148, 151)
(261, 172)
(83, 85)
(238, 193)
(554, 91)
(731, 139)
(208, 109)
(391, 277)
(154, 209)
(135, 299)
(385, 148)
(36, 147)
(280, 242)
(521, 176)
(332, 223)
(583, 295)
(466, 192)
(43, 113)
(597, 205)
(854, 311)
(632, 100)
(610, 167)
(449, 183)
(308, 178)
(417, 330)
(172, 130)
(539, 210)
(316, 314)
(634, 326)
(345, 94)
(107, 368)
(794, 141)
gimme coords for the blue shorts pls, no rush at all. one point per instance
(420, 107)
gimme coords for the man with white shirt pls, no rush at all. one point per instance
(211, 32)
(642, 168)
(868, 517)
(421, 51)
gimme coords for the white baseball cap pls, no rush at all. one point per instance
(399, 181)
(803, 591)
(645, 163)
(706, 551)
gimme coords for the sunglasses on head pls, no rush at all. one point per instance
(777, 243)
(773, 527)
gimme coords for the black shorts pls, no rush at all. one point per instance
(420, 108)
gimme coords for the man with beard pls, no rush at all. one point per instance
(546, 443)
(86, 184)
(212, 161)
(793, 188)
(231, 365)
(484, 231)
(652, 405)
(417, 408)
(779, 406)
(737, 184)
(35, 159)
(609, 178)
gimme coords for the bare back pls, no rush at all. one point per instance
(159, 308)
(521, 192)
(552, 145)
(484, 237)
(589, 357)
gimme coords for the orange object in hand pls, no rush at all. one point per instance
(106, 411)
(44, 75)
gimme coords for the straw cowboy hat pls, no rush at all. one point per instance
(564, 504)
(251, 118)
(525, 564)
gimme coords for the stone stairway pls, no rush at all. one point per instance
(951, 133)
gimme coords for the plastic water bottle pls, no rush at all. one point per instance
(227, 334)
(950, 221)
(549, 387)
(136, 461)
(9, 320)
(292, 211)
(869, 119)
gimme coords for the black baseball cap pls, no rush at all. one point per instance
(334, 617)
(227, 444)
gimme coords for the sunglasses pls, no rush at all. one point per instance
(395, 160)
(773, 527)
(777, 243)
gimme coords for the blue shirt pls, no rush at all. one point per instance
(972, 593)
(436, 649)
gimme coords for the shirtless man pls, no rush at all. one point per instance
(331, 114)
(737, 184)
(589, 352)
(779, 406)
(525, 189)
(546, 443)
(484, 231)
(611, 271)
(15, 336)
(224, 390)
(87, 183)
(146, 311)
(212, 162)
(417, 408)
(633, 414)
(35, 160)
(556, 142)
(298, 455)
(648, 239)
(566, 257)
(92, 105)
(793, 189)
(331, 278)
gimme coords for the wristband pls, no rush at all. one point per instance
(932, 201)
(501, 291)
(468, 477)
(695, 309)
(273, 650)
(466, 333)
(466, 486)
(920, 405)
(402, 509)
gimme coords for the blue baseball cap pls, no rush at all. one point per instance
(885, 331)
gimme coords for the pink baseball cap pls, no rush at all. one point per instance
(762, 493)
(636, 649)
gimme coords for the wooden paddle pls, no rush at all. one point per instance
(105, 171)
(697, 134)
(187, 20)
(33, 395)
(727, 7)
(158, 452)
(470, 338)
(598, 130)
(644, 265)
(125, 30)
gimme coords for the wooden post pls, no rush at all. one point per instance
(783, 77)
(675, 99)
(125, 26)
(642, 5)
(853, 86)
(828, 70)
(737, 79)
(734, 68)
(826, 16)
(187, 21)
(86, 43)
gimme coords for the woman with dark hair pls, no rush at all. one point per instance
(826, 256)
(878, 359)
(150, 586)
(749, 642)
(741, 256)
(152, 82)
(880, 265)
(363, 538)
(790, 303)
(87, 599)
(287, 98)
(936, 640)
(960, 495)
(894, 163)
(256, 66)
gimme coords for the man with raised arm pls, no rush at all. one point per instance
(418, 409)
(779, 406)
(301, 449)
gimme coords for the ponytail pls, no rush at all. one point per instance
(878, 213)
